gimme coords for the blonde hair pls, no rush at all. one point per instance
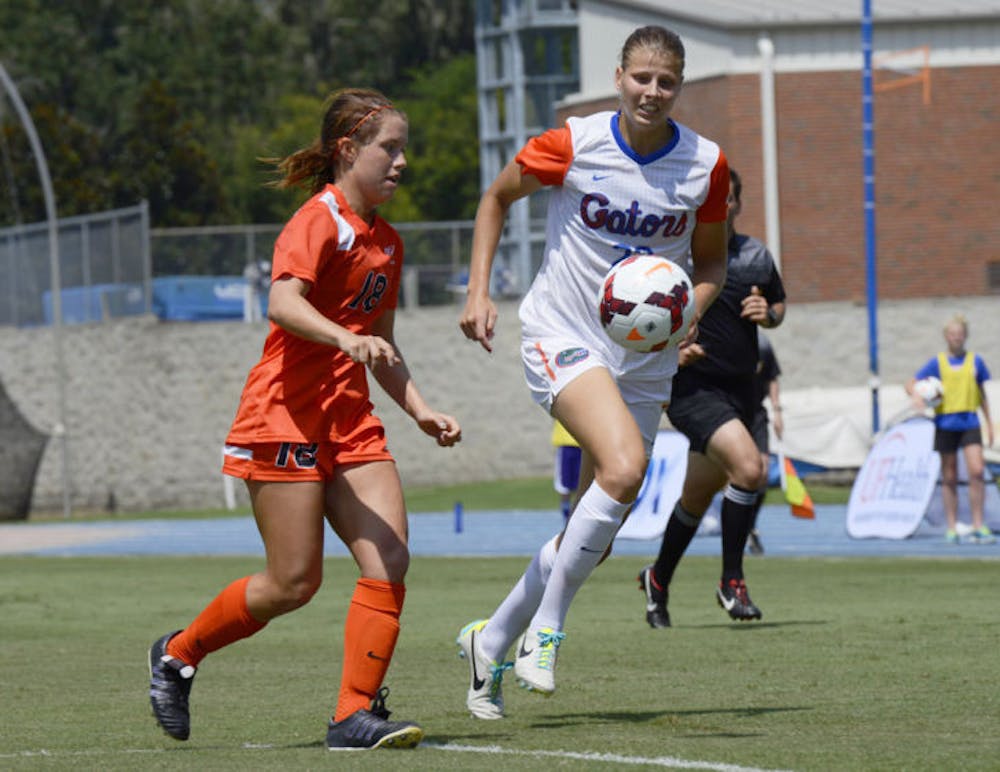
(958, 319)
(352, 113)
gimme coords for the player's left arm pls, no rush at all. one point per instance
(984, 405)
(396, 381)
(708, 260)
(983, 375)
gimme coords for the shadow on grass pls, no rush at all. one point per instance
(646, 716)
(753, 625)
(459, 737)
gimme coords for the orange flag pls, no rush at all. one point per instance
(795, 490)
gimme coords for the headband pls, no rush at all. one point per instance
(375, 110)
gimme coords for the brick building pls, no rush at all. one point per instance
(936, 121)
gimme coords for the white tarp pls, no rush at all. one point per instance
(833, 427)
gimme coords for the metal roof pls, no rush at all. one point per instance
(757, 13)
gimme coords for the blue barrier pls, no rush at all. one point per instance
(201, 298)
(175, 298)
(96, 302)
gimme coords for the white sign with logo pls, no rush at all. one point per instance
(660, 489)
(895, 483)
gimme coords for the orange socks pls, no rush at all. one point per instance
(370, 634)
(225, 620)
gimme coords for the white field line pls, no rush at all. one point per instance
(667, 762)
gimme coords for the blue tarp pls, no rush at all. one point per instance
(96, 302)
(201, 298)
(175, 298)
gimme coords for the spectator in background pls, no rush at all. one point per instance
(956, 425)
(305, 438)
(768, 387)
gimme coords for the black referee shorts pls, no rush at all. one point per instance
(700, 405)
(758, 429)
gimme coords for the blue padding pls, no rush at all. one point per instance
(200, 298)
(95, 302)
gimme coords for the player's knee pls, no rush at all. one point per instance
(749, 473)
(621, 476)
(395, 557)
(294, 592)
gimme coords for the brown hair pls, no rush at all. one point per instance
(352, 113)
(735, 183)
(654, 37)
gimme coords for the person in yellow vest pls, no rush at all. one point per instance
(956, 420)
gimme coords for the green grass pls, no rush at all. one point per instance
(858, 664)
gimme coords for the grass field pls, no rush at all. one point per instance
(858, 664)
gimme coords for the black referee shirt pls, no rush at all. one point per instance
(730, 342)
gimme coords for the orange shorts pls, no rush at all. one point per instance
(299, 461)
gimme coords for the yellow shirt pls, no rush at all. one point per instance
(961, 392)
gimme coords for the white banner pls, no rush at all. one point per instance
(895, 483)
(661, 488)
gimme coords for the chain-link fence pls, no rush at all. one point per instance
(112, 264)
(104, 267)
(435, 255)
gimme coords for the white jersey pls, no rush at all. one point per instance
(607, 202)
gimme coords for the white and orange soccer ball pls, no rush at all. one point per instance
(646, 303)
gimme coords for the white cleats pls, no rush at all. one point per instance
(536, 660)
(485, 697)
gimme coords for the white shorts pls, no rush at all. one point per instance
(553, 362)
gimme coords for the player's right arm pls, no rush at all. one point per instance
(289, 308)
(479, 315)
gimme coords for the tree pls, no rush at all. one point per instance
(175, 100)
(441, 181)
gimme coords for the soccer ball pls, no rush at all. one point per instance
(929, 390)
(646, 303)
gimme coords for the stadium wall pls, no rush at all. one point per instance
(149, 402)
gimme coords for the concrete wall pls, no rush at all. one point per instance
(149, 403)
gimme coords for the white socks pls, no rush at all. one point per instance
(590, 531)
(542, 596)
(513, 614)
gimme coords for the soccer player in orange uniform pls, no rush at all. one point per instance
(305, 438)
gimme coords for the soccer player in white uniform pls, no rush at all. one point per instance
(627, 182)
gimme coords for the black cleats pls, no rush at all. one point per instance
(656, 599)
(169, 687)
(369, 729)
(734, 598)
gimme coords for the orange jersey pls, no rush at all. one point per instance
(305, 391)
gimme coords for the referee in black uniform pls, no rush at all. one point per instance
(713, 404)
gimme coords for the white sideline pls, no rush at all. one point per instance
(669, 762)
